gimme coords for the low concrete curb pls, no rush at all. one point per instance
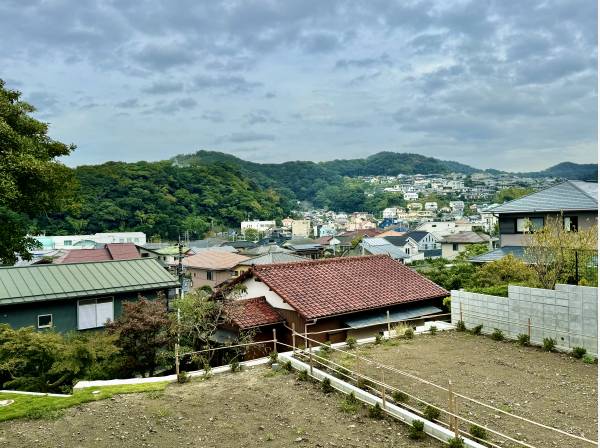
(433, 429)
(36, 394)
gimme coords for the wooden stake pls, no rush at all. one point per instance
(529, 328)
(461, 313)
(382, 390)
(388, 323)
(293, 337)
(450, 418)
(177, 359)
(274, 340)
(310, 360)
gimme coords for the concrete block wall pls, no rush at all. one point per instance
(568, 314)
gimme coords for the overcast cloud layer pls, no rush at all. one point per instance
(502, 84)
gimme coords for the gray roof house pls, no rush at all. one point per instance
(577, 201)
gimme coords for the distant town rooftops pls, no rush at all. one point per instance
(111, 251)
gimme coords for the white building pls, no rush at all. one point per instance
(259, 226)
(457, 205)
(411, 196)
(390, 213)
(301, 228)
(90, 241)
(431, 206)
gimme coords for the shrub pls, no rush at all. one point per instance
(325, 350)
(477, 330)
(433, 330)
(288, 366)
(342, 373)
(363, 383)
(377, 339)
(376, 412)
(409, 333)
(399, 397)
(183, 377)
(273, 357)
(350, 404)
(548, 344)
(497, 335)
(460, 326)
(235, 366)
(303, 375)
(523, 339)
(351, 342)
(416, 430)
(431, 413)
(589, 359)
(478, 432)
(326, 386)
(579, 352)
(456, 442)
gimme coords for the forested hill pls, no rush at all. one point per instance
(569, 170)
(163, 200)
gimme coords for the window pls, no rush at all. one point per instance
(407, 250)
(455, 247)
(136, 240)
(570, 223)
(209, 275)
(44, 320)
(529, 224)
(68, 243)
(93, 313)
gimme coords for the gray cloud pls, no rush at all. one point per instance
(235, 84)
(213, 116)
(245, 137)
(172, 106)
(163, 87)
(383, 59)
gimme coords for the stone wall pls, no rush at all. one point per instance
(568, 314)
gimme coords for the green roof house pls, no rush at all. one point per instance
(77, 296)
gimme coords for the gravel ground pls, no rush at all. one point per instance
(551, 388)
(254, 408)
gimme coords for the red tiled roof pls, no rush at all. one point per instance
(250, 313)
(111, 251)
(336, 286)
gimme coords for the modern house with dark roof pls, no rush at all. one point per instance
(268, 258)
(455, 243)
(78, 296)
(576, 201)
(211, 267)
(337, 296)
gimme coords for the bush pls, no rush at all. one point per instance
(273, 355)
(350, 404)
(433, 330)
(431, 413)
(399, 397)
(351, 342)
(288, 366)
(523, 339)
(409, 333)
(376, 412)
(579, 352)
(497, 335)
(548, 344)
(326, 386)
(477, 330)
(416, 430)
(377, 339)
(325, 350)
(589, 359)
(183, 377)
(235, 366)
(303, 375)
(342, 373)
(460, 326)
(456, 442)
(478, 432)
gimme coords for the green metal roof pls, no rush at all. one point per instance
(62, 281)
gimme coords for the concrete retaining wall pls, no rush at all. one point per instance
(568, 314)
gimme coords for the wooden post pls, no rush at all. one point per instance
(293, 337)
(461, 314)
(177, 359)
(310, 360)
(450, 407)
(529, 328)
(382, 390)
(274, 340)
(389, 325)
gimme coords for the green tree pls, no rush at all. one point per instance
(32, 181)
(509, 194)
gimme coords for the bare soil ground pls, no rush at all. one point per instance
(551, 388)
(254, 408)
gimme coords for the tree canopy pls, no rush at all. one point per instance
(32, 180)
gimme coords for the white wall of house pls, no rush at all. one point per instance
(259, 289)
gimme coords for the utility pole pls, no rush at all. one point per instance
(180, 275)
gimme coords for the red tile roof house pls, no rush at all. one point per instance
(110, 251)
(349, 293)
(256, 316)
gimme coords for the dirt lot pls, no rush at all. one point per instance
(253, 408)
(551, 388)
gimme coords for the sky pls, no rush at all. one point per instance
(507, 84)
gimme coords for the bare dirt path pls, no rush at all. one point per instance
(253, 408)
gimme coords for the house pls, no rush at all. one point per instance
(260, 226)
(380, 246)
(431, 206)
(390, 213)
(255, 316)
(301, 228)
(211, 267)
(78, 296)
(455, 243)
(427, 242)
(443, 228)
(408, 245)
(268, 258)
(165, 253)
(411, 196)
(575, 201)
(111, 251)
(287, 222)
(339, 297)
